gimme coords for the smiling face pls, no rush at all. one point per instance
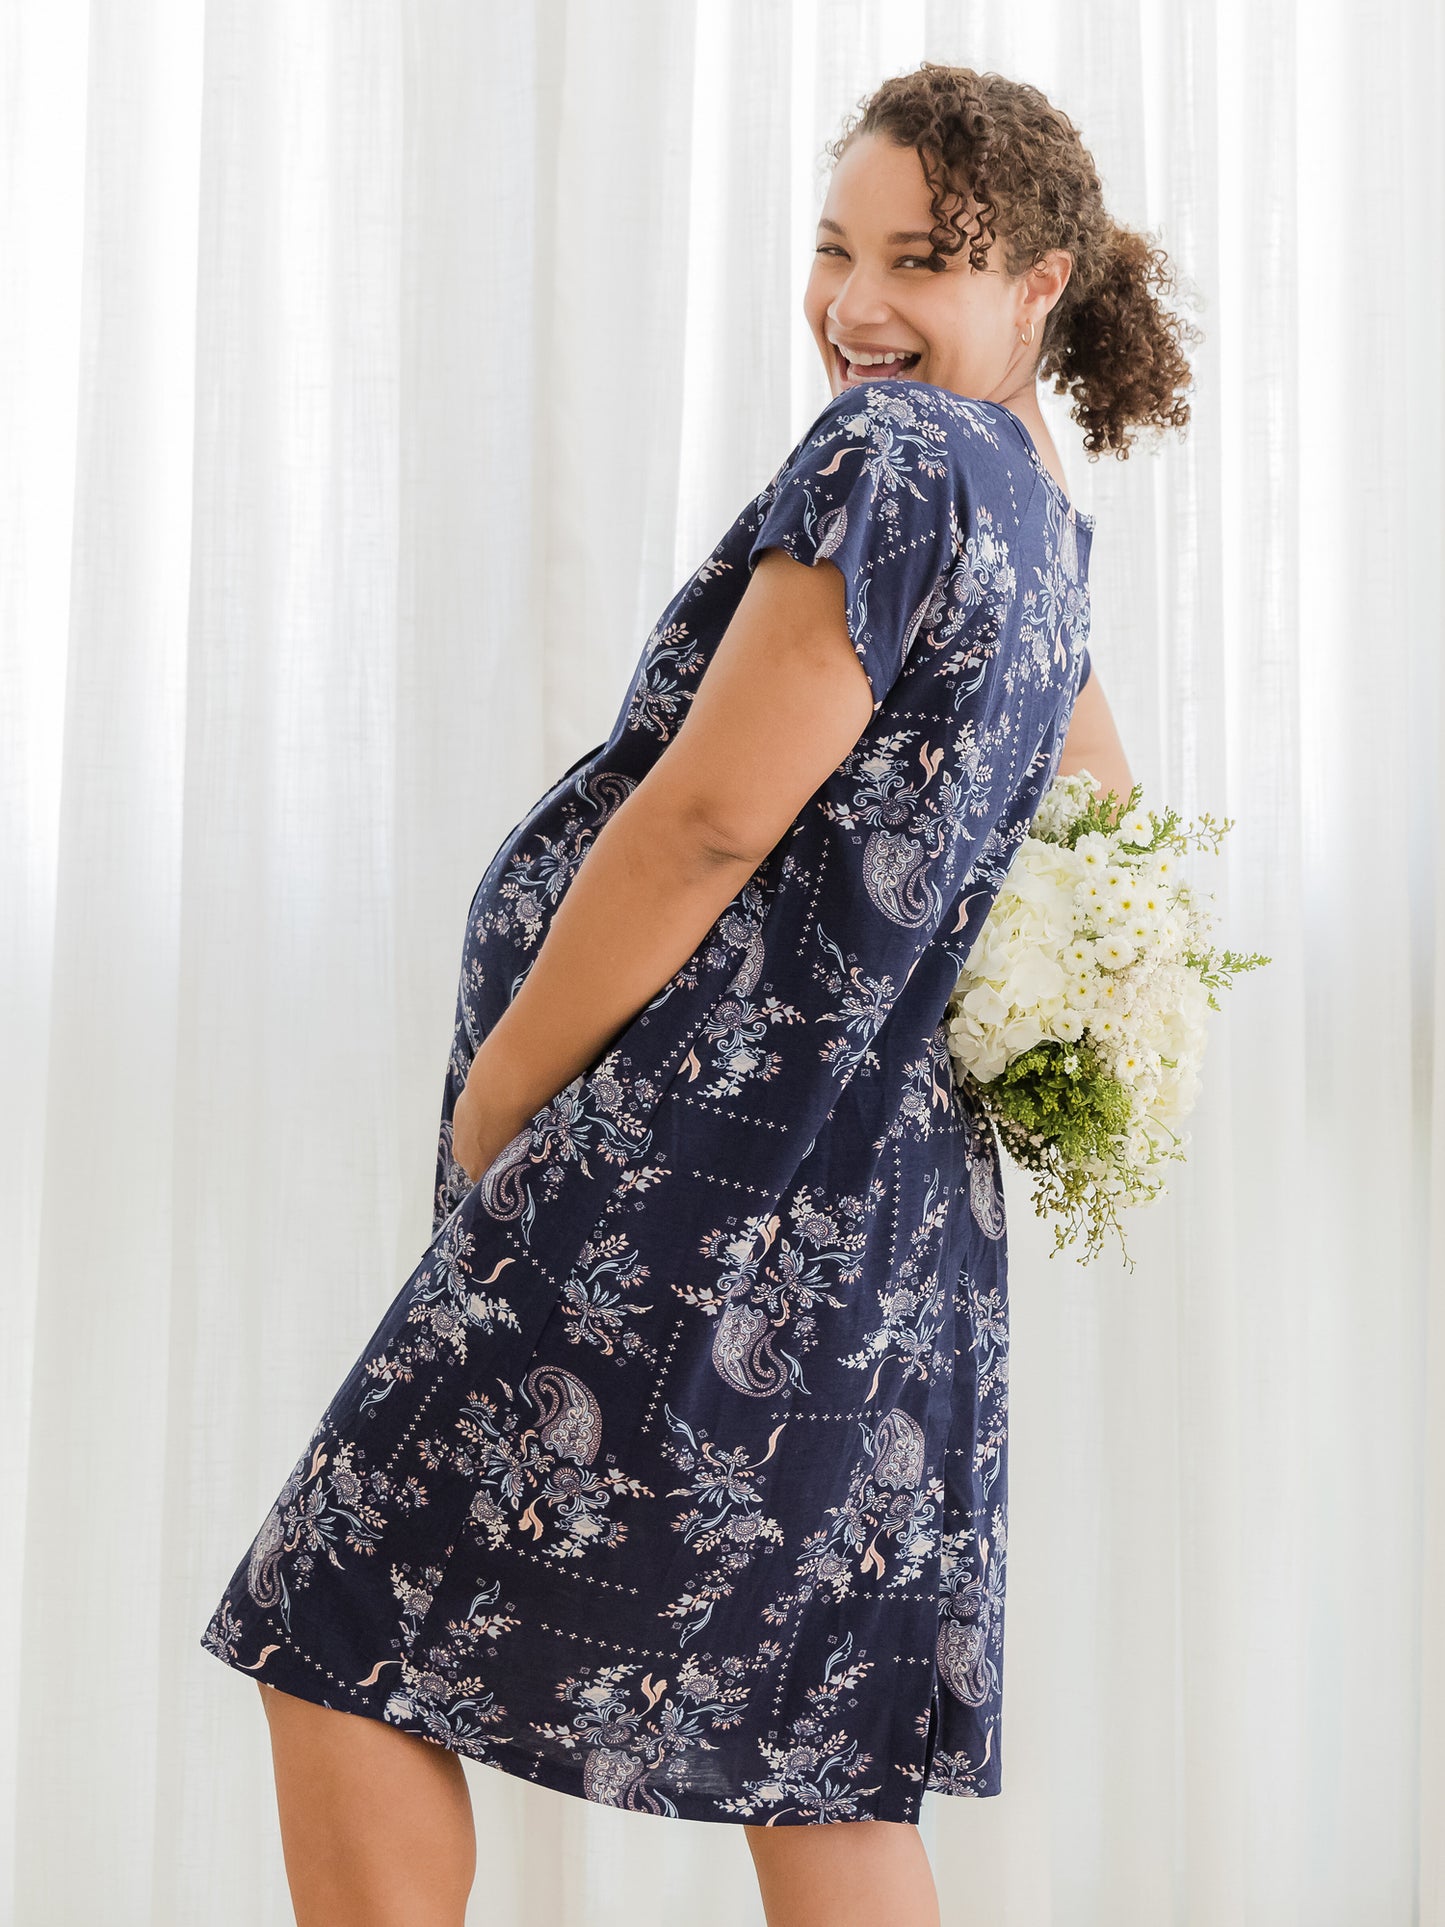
(871, 288)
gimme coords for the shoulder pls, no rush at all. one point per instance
(902, 426)
(903, 465)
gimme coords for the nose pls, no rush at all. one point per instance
(859, 304)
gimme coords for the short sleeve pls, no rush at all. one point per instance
(1086, 666)
(873, 487)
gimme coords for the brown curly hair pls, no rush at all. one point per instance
(1003, 146)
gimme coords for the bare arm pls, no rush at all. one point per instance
(1092, 742)
(777, 710)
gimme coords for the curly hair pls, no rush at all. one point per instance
(1003, 146)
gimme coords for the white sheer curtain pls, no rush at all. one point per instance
(370, 373)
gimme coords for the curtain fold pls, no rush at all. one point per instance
(370, 374)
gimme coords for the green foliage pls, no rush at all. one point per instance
(1215, 968)
(1104, 813)
(1058, 1112)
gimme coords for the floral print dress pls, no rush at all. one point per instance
(675, 1475)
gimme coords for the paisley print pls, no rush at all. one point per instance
(675, 1475)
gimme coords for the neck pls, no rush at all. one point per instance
(1023, 399)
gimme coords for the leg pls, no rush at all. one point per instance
(844, 1873)
(376, 1824)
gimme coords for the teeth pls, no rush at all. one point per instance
(871, 361)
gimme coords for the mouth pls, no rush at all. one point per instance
(851, 375)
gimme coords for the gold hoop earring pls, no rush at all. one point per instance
(1027, 339)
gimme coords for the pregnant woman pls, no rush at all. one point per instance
(674, 1477)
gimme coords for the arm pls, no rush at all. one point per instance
(1092, 742)
(778, 708)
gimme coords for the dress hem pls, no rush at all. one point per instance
(670, 1803)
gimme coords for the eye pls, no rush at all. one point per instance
(918, 260)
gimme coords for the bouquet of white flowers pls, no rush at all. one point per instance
(1079, 1015)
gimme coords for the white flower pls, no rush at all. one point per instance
(1136, 827)
(1067, 799)
(1036, 978)
(1021, 1034)
(1094, 852)
(984, 1003)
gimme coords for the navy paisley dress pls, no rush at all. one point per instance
(674, 1477)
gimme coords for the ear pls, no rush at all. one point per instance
(1048, 278)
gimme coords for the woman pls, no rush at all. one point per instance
(674, 1478)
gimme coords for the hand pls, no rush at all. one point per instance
(478, 1132)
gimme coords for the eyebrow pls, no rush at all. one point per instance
(892, 240)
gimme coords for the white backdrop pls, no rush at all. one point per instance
(370, 374)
